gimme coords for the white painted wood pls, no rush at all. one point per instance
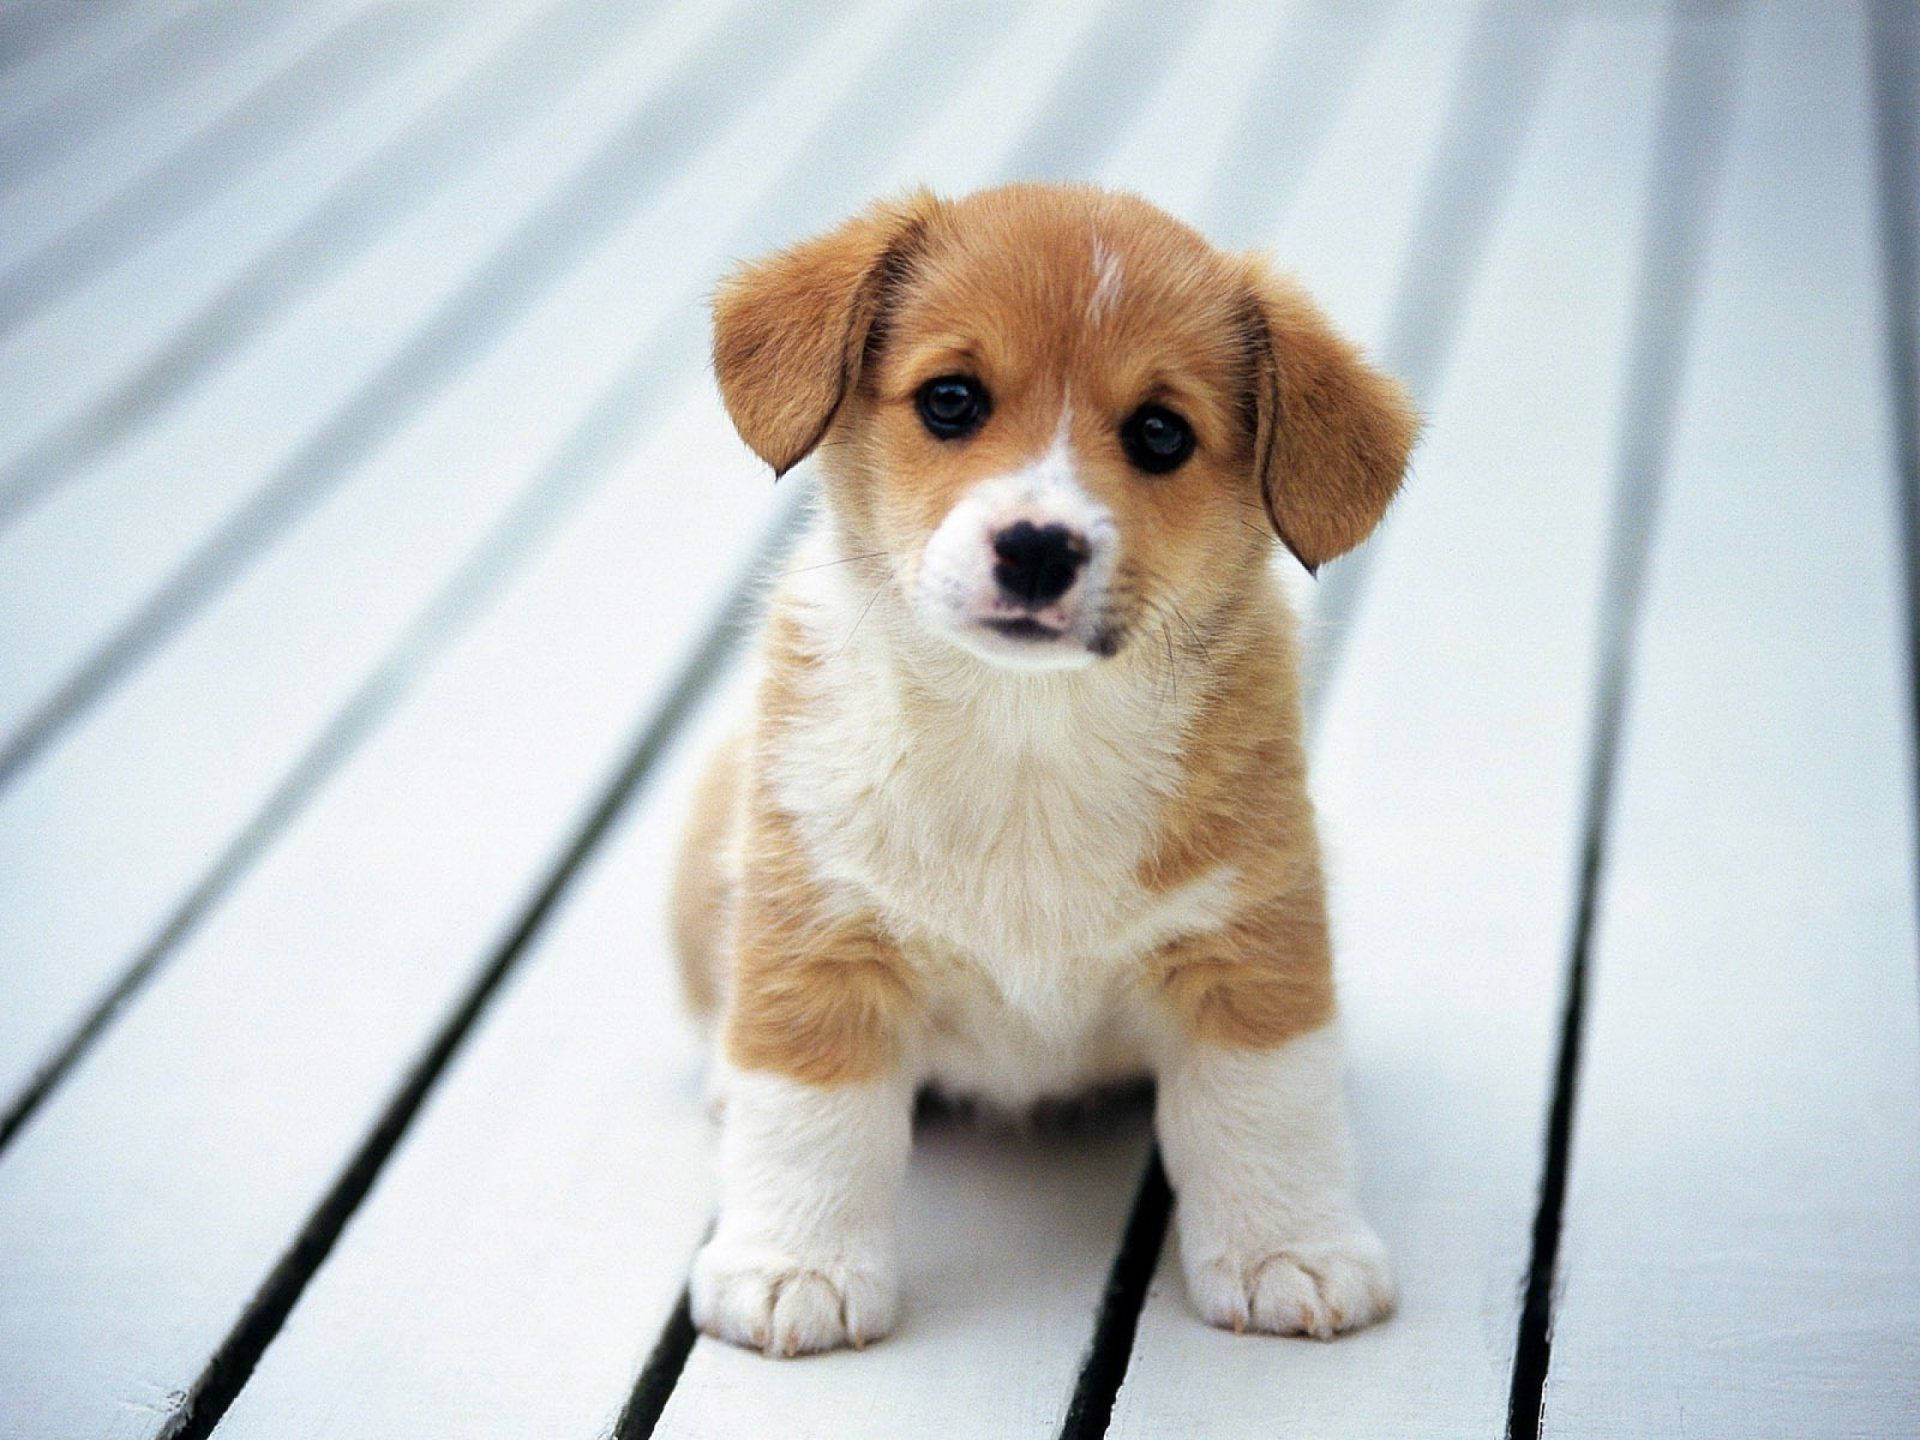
(117, 137)
(81, 37)
(75, 568)
(1449, 776)
(142, 1209)
(1347, 232)
(520, 1253)
(65, 357)
(210, 726)
(1741, 1251)
(1166, 151)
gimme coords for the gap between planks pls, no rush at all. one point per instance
(582, 458)
(1701, 63)
(1895, 50)
(1508, 55)
(233, 1363)
(274, 114)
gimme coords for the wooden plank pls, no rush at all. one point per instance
(212, 725)
(68, 355)
(141, 1210)
(111, 567)
(1741, 1250)
(1352, 247)
(1448, 774)
(189, 302)
(136, 107)
(319, 65)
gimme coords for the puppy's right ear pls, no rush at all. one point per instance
(790, 332)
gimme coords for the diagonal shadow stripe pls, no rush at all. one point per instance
(121, 86)
(28, 30)
(1689, 143)
(627, 169)
(536, 65)
(274, 115)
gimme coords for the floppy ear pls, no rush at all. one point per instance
(1331, 433)
(790, 332)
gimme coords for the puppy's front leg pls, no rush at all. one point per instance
(817, 1117)
(1255, 1140)
(802, 1257)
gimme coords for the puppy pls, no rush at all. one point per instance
(1021, 808)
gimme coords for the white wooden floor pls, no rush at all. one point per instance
(373, 553)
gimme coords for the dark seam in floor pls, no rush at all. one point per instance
(227, 1372)
(29, 30)
(275, 114)
(1506, 57)
(115, 92)
(1895, 41)
(1688, 144)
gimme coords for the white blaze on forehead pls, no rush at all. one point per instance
(1106, 281)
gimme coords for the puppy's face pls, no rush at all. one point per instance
(1058, 416)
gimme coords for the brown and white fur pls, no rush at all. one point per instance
(1012, 843)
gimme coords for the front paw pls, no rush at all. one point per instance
(1317, 1287)
(784, 1304)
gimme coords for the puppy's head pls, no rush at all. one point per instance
(1058, 415)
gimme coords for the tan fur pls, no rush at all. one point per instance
(818, 992)
(1333, 434)
(701, 910)
(1267, 975)
(1074, 307)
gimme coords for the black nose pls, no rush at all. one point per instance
(1037, 563)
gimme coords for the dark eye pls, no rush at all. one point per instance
(1156, 440)
(952, 405)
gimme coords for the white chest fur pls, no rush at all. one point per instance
(996, 821)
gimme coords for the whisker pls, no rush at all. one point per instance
(862, 619)
(829, 564)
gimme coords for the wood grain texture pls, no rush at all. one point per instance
(1448, 773)
(1742, 1231)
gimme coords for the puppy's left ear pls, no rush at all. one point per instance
(1331, 433)
(790, 332)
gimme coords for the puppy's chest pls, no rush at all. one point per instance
(1017, 852)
